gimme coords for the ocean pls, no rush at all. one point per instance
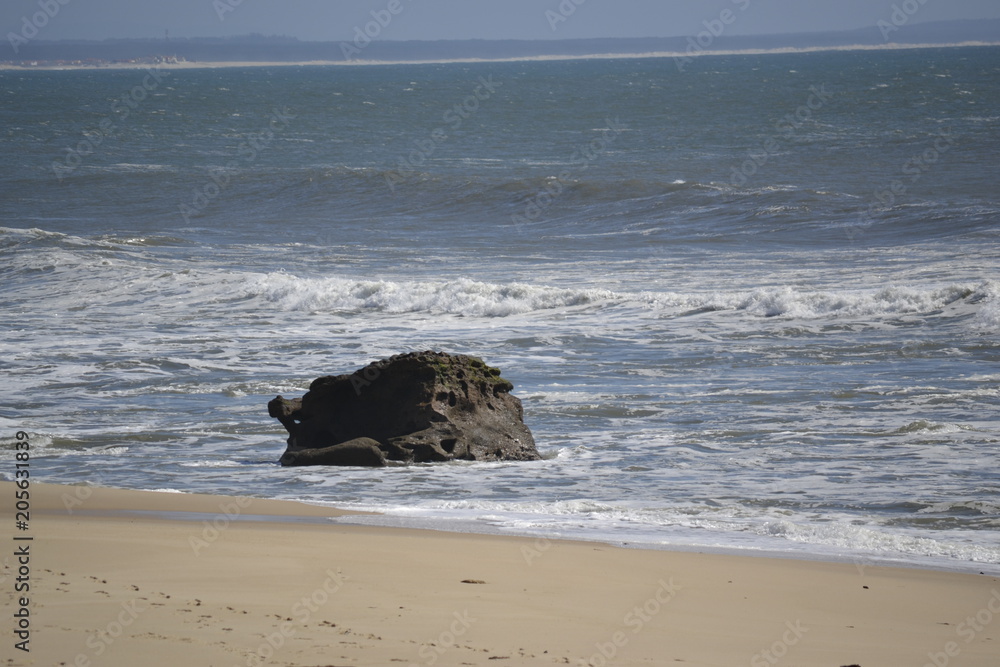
(750, 304)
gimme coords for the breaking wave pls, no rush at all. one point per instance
(462, 296)
(473, 298)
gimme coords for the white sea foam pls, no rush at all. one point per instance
(121, 280)
(475, 298)
(845, 536)
(462, 296)
(224, 463)
(988, 316)
(728, 525)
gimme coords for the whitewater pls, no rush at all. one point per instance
(787, 364)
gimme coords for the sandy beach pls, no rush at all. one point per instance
(113, 577)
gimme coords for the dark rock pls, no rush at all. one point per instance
(357, 452)
(419, 407)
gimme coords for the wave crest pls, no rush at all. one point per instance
(461, 296)
(474, 298)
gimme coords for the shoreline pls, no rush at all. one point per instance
(185, 506)
(936, 564)
(8, 66)
(347, 519)
(112, 587)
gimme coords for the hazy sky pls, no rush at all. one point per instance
(334, 20)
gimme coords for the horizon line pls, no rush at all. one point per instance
(892, 46)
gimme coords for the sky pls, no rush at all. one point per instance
(336, 20)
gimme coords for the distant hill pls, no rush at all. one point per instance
(258, 48)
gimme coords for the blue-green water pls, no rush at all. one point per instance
(749, 305)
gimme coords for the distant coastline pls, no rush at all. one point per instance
(275, 51)
(176, 64)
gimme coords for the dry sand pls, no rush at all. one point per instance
(113, 587)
